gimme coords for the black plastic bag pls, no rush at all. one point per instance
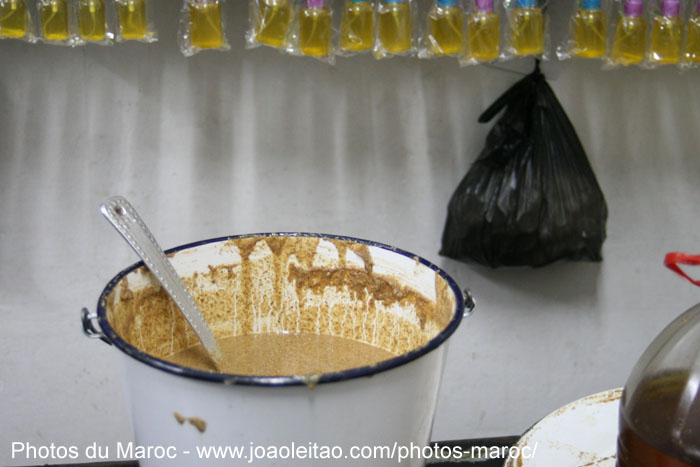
(531, 197)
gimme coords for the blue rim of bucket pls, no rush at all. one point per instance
(275, 381)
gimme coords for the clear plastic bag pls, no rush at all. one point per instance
(95, 22)
(202, 27)
(482, 42)
(357, 27)
(444, 29)
(58, 22)
(311, 31)
(135, 21)
(628, 33)
(588, 31)
(665, 34)
(16, 20)
(269, 22)
(395, 28)
(691, 50)
(527, 29)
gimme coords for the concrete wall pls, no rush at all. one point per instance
(253, 141)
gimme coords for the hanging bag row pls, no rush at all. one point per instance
(77, 22)
(634, 32)
(305, 27)
(646, 33)
(470, 30)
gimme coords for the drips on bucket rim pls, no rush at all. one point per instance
(464, 305)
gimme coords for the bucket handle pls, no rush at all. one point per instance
(469, 303)
(90, 326)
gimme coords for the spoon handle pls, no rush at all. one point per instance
(122, 215)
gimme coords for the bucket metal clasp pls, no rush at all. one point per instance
(469, 303)
(90, 326)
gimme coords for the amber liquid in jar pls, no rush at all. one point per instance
(665, 435)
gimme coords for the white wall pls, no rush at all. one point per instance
(252, 141)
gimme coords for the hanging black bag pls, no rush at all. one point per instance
(531, 197)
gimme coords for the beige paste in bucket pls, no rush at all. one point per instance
(286, 305)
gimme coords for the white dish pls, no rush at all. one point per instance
(582, 433)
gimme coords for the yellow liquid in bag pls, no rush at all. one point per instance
(273, 22)
(91, 16)
(589, 35)
(445, 30)
(13, 18)
(132, 19)
(527, 31)
(54, 20)
(692, 41)
(205, 25)
(395, 27)
(483, 36)
(357, 26)
(315, 32)
(630, 35)
(665, 40)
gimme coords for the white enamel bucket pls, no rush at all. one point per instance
(375, 415)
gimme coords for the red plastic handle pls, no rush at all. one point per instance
(674, 259)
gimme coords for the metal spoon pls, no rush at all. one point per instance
(122, 215)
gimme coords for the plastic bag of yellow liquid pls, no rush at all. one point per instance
(628, 34)
(356, 27)
(95, 21)
(395, 28)
(202, 27)
(691, 49)
(58, 22)
(588, 31)
(16, 20)
(311, 31)
(531, 197)
(527, 29)
(482, 42)
(666, 30)
(135, 21)
(270, 22)
(444, 30)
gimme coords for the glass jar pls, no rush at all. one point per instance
(660, 405)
